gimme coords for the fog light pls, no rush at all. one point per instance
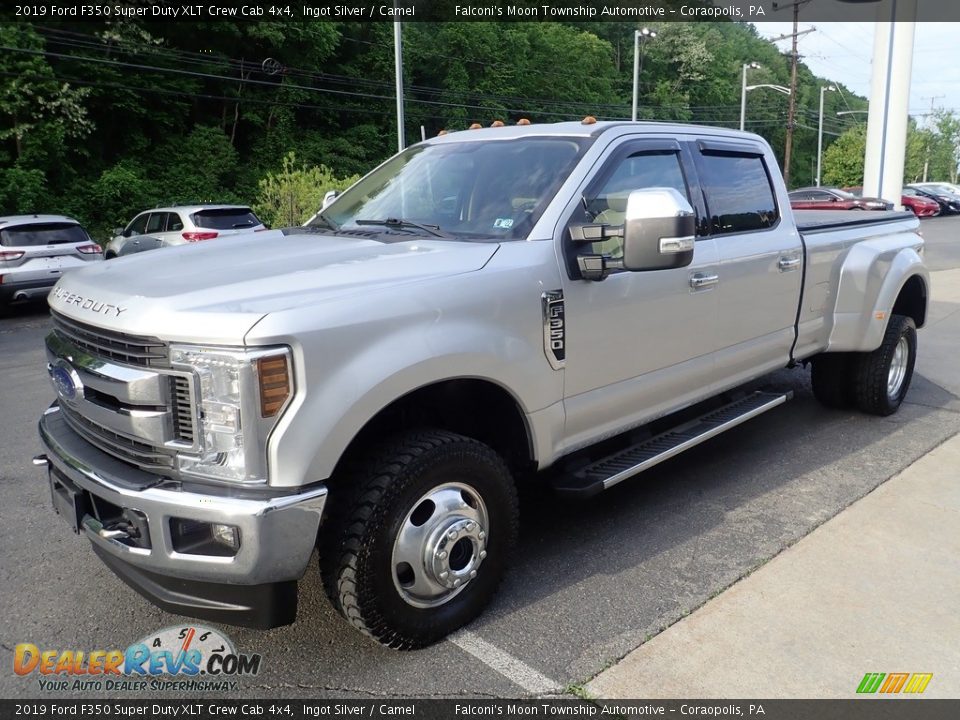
(226, 535)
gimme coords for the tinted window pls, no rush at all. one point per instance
(638, 171)
(225, 218)
(45, 234)
(156, 222)
(174, 223)
(738, 193)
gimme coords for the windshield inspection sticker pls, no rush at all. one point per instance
(504, 223)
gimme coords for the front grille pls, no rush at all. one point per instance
(129, 349)
(182, 409)
(120, 446)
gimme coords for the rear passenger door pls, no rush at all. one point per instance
(760, 260)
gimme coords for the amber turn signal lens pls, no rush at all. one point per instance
(274, 376)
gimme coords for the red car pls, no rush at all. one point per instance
(920, 205)
(822, 198)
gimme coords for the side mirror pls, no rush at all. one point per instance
(658, 231)
(328, 198)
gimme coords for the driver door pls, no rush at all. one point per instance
(638, 344)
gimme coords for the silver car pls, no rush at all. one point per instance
(168, 226)
(35, 250)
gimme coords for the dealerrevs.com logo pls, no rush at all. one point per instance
(176, 658)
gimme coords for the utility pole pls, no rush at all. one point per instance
(926, 159)
(791, 113)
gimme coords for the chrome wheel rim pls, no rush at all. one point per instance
(440, 545)
(898, 368)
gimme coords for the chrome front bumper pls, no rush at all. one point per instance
(277, 534)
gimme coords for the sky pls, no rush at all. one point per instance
(843, 52)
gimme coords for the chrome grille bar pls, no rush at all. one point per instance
(131, 349)
(124, 448)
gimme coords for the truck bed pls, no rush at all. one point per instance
(815, 221)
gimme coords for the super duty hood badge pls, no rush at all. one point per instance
(84, 303)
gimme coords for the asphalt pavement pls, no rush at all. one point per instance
(591, 581)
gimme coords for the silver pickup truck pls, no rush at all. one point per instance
(568, 303)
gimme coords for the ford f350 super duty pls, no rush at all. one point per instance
(577, 301)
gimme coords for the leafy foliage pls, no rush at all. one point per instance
(292, 195)
(843, 160)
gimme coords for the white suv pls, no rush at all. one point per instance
(35, 250)
(167, 226)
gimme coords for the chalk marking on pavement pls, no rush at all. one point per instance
(516, 671)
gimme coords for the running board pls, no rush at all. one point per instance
(604, 474)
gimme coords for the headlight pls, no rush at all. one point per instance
(240, 396)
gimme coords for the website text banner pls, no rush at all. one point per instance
(639, 11)
(914, 709)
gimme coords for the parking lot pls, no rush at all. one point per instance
(590, 580)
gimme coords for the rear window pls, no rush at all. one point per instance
(43, 234)
(226, 219)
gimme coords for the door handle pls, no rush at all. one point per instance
(699, 281)
(786, 264)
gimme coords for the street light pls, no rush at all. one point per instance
(825, 88)
(643, 34)
(743, 90)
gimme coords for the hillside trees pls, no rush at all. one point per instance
(102, 119)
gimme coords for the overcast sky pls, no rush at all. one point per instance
(843, 52)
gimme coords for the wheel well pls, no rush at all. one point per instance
(476, 408)
(912, 300)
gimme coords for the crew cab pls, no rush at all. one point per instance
(573, 302)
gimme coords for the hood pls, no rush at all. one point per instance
(215, 291)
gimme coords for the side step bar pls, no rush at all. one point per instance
(604, 474)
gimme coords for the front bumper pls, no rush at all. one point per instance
(255, 587)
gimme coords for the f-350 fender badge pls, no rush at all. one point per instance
(554, 330)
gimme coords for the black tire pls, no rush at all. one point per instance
(872, 371)
(831, 376)
(379, 497)
(110, 256)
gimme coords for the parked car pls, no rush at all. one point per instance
(949, 187)
(913, 201)
(168, 226)
(375, 388)
(920, 204)
(822, 198)
(35, 250)
(949, 203)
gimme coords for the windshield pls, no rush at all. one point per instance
(487, 190)
(43, 234)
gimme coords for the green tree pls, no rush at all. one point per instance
(292, 195)
(32, 101)
(843, 160)
(198, 168)
(22, 191)
(120, 192)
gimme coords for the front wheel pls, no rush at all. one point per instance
(421, 545)
(882, 377)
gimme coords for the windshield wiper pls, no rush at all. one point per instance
(401, 224)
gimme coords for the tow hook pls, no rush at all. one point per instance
(119, 531)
